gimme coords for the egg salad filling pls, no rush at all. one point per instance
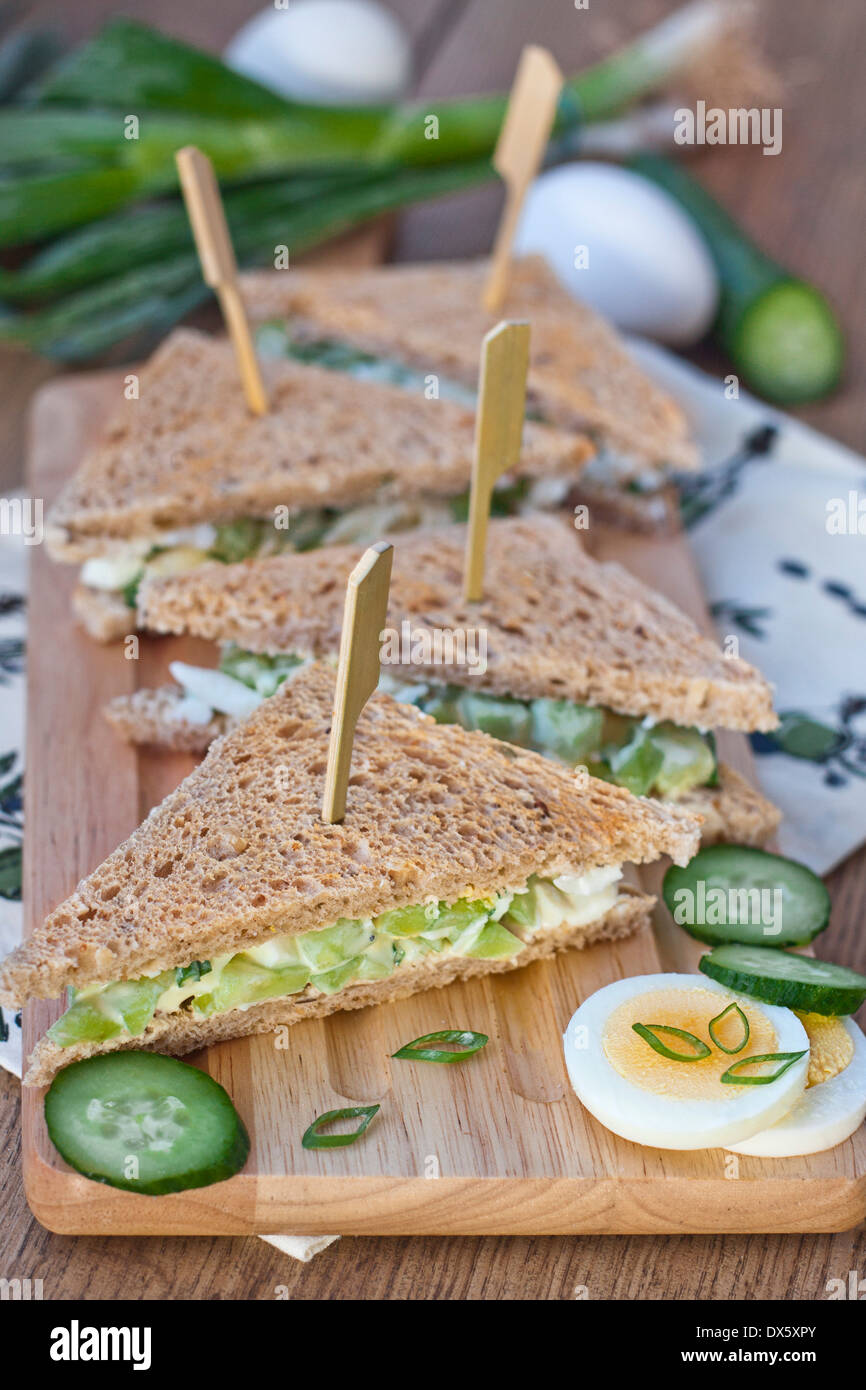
(349, 952)
(646, 758)
(173, 552)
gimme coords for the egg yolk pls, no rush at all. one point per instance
(830, 1047)
(692, 1010)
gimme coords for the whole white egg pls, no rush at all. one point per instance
(328, 52)
(621, 244)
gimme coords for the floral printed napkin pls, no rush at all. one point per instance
(773, 520)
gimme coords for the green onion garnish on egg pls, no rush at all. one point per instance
(732, 1077)
(718, 1018)
(648, 1031)
(465, 1044)
(314, 1139)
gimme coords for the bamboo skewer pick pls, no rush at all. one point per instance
(358, 671)
(218, 265)
(498, 435)
(518, 155)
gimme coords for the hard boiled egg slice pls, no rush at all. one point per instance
(667, 1104)
(834, 1103)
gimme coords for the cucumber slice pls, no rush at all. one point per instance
(138, 1112)
(687, 760)
(779, 977)
(504, 718)
(566, 730)
(783, 902)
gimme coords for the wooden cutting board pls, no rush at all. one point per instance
(499, 1145)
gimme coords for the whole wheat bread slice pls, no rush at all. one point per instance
(430, 316)
(239, 851)
(188, 450)
(558, 623)
(733, 812)
(182, 1032)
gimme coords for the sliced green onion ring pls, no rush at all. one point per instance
(645, 1031)
(466, 1041)
(732, 1078)
(313, 1139)
(718, 1018)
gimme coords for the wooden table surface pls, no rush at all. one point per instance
(807, 207)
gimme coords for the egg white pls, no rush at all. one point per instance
(823, 1116)
(667, 1122)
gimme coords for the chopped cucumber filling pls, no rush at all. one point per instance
(328, 960)
(659, 759)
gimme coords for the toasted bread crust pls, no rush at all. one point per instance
(733, 812)
(239, 850)
(183, 1032)
(430, 316)
(557, 622)
(188, 450)
(155, 719)
(103, 615)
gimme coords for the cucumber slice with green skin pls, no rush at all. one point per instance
(129, 1112)
(780, 977)
(494, 941)
(736, 881)
(568, 731)
(781, 332)
(505, 719)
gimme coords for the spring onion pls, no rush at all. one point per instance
(779, 331)
(648, 1031)
(194, 971)
(119, 273)
(463, 1044)
(711, 1029)
(314, 1139)
(733, 1077)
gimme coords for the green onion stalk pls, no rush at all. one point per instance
(94, 188)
